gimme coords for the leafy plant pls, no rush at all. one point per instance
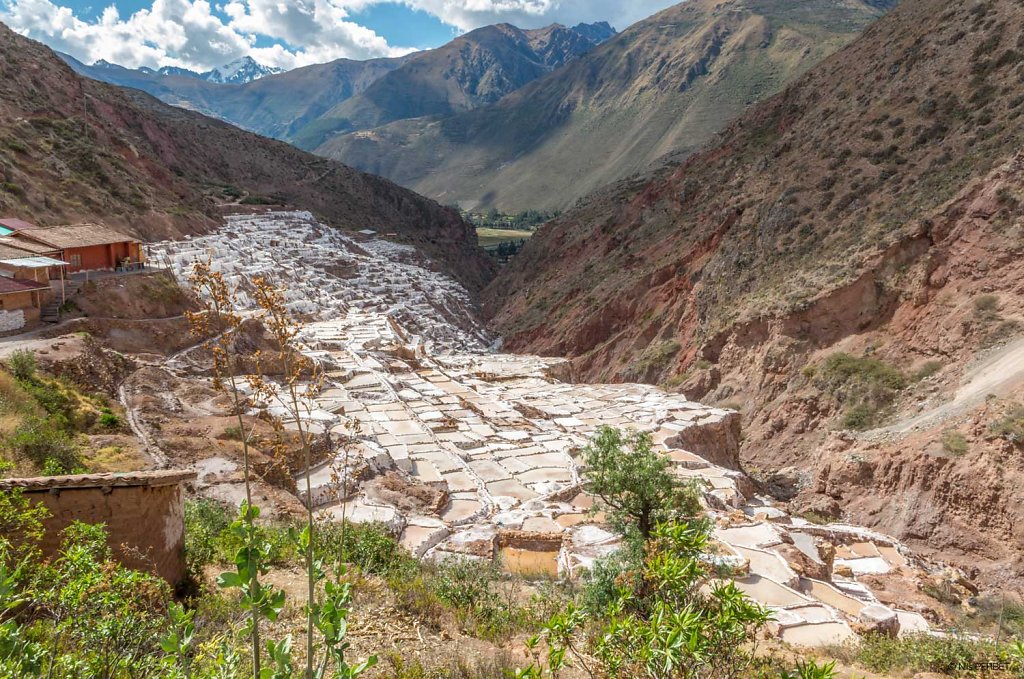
(22, 364)
(672, 618)
(251, 561)
(810, 669)
(101, 617)
(635, 482)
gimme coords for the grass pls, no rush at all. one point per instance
(867, 386)
(986, 307)
(1011, 425)
(394, 666)
(475, 596)
(927, 370)
(950, 656)
(954, 442)
(43, 417)
(112, 459)
(489, 237)
(654, 360)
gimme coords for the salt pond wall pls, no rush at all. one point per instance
(143, 513)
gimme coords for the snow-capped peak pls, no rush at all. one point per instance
(239, 71)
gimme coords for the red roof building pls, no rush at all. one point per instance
(9, 225)
(85, 247)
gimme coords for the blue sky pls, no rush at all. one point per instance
(201, 34)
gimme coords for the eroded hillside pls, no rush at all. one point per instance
(75, 149)
(871, 208)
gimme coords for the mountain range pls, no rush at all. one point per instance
(533, 119)
(307, 105)
(237, 72)
(664, 85)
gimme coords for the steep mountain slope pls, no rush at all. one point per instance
(274, 106)
(875, 208)
(664, 85)
(75, 149)
(473, 70)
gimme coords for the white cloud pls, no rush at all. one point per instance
(193, 34)
(189, 33)
(470, 14)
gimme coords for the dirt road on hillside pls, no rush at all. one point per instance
(996, 374)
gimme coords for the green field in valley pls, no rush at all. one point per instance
(490, 237)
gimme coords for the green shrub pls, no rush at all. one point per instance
(842, 370)
(672, 617)
(210, 540)
(810, 669)
(22, 364)
(927, 370)
(205, 522)
(370, 547)
(1011, 425)
(986, 307)
(46, 445)
(866, 385)
(949, 655)
(860, 417)
(233, 434)
(954, 442)
(471, 591)
(109, 420)
(601, 581)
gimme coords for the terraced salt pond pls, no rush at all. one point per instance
(499, 435)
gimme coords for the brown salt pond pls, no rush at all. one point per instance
(768, 592)
(828, 594)
(529, 563)
(817, 634)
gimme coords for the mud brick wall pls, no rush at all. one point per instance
(143, 513)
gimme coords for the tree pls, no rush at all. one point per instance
(218, 324)
(635, 482)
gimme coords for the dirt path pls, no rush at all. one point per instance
(996, 374)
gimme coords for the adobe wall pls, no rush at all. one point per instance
(143, 513)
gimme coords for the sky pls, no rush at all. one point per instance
(202, 34)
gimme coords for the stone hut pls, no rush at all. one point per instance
(143, 512)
